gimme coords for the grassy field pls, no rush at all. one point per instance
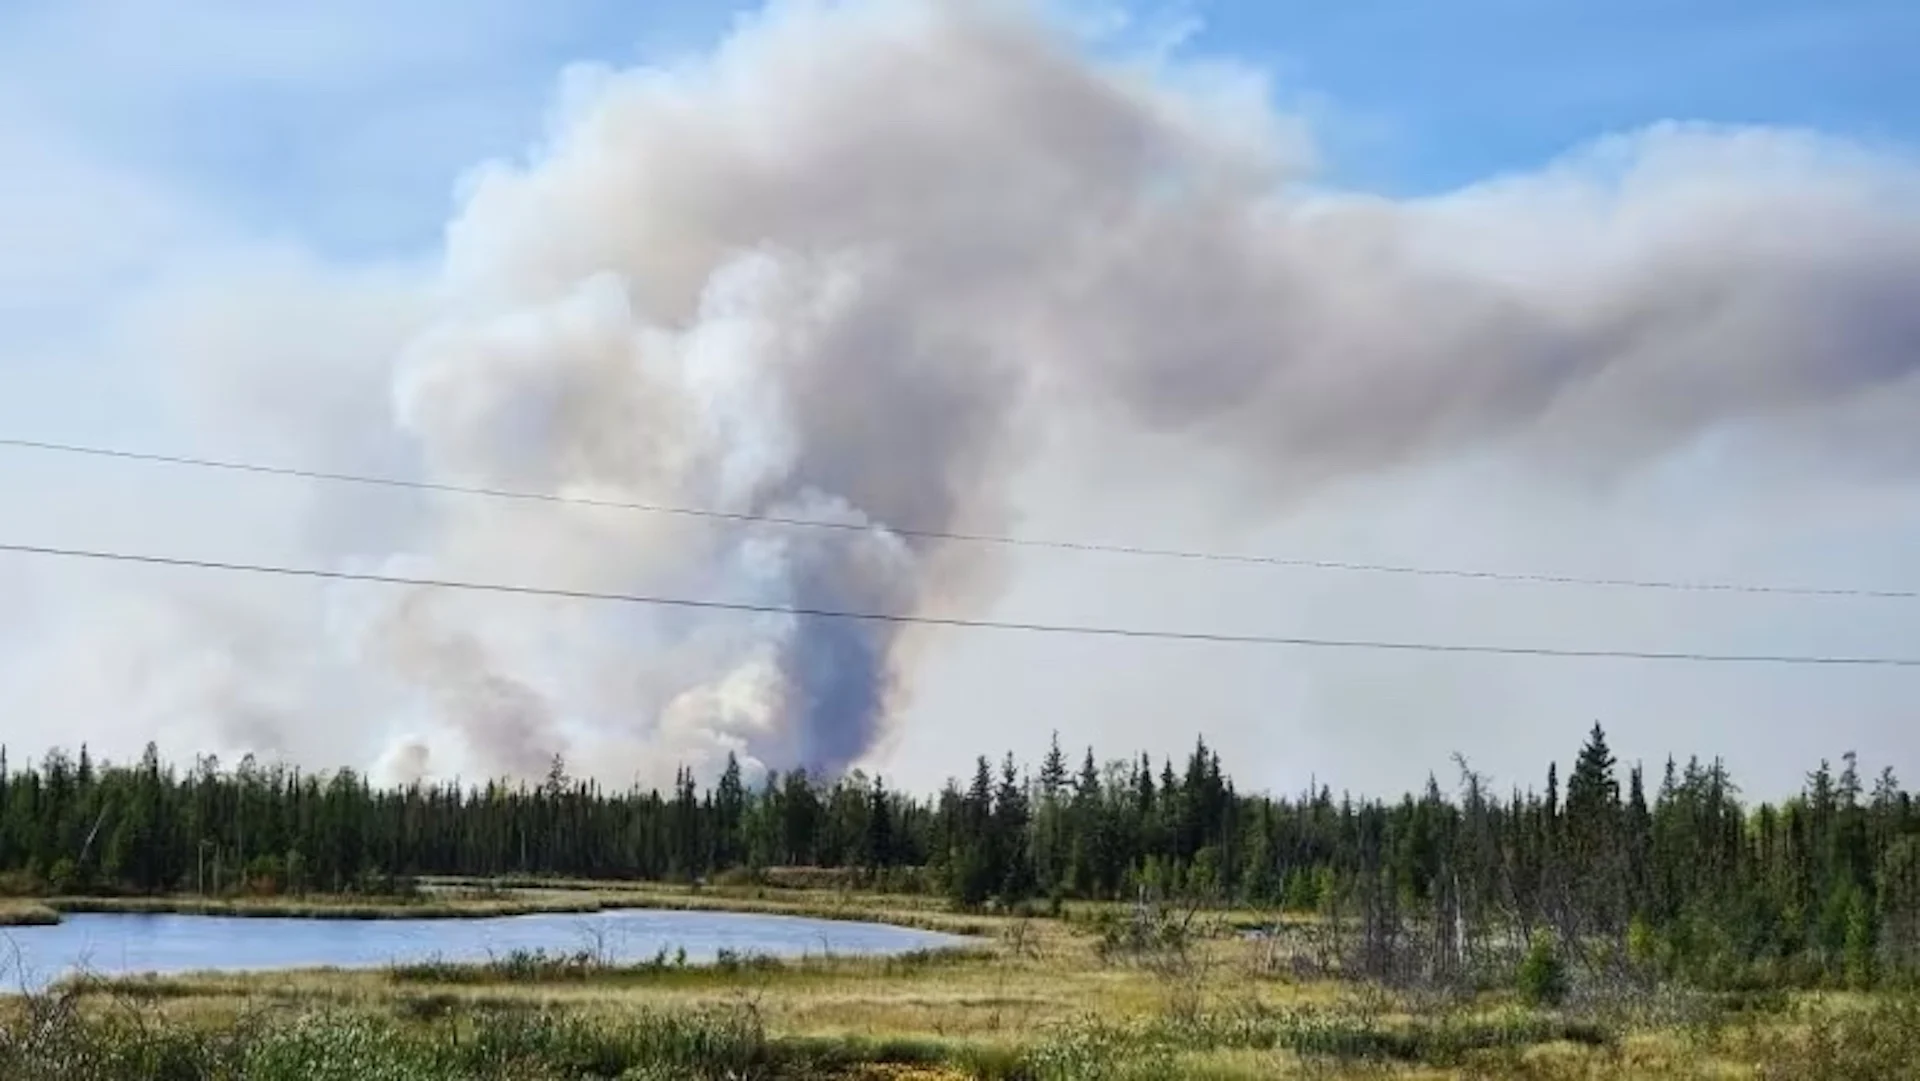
(472, 899)
(1040, 999)
(334, 907)
(902, 910)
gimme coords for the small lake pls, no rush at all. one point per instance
(123, 944)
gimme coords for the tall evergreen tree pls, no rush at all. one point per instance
(1053, 772)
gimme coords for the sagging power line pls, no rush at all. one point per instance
(1081, 630)
(1194, 555)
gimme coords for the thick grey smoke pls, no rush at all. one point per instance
(859, 261)
(825, 268)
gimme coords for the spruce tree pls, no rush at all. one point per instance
(1593, 835)
(879, 840)
(1011, 815)
(1639, 845)
(1053, 772)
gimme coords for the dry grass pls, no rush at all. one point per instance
(339, 907)
(27, 914)
(1042, 1001)
(470, 899)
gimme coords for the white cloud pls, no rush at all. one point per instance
(861, 261)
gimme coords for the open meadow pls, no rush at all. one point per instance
(1100, 992)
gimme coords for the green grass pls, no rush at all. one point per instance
(494, 1042)
(901, 910)
(336, 907)
(1034, 1000)
(666, 970)
(479, 898)
(360, 1046)
(943, 922)
(55, 1039)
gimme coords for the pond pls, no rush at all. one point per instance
(123, 944)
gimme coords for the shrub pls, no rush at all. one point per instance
(21, 883)
(1091, 1049)
(1542, 978)
(1643, 945)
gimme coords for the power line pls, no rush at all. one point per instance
(1084, 630)
(971, 538)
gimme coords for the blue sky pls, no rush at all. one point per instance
(1444, 93)
(347, 124)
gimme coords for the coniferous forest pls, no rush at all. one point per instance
(1673, 867)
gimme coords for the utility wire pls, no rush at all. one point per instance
(960, 536)
(971, 538)
(1084, 630)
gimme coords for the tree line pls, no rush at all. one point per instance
(1675, 871)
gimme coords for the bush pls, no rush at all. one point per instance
(21, 883)
(1643, 946)
(1091, 1049)
(1542, 979)
(732, 962)
(1858, 950)
(1142, 934)
(739, 878)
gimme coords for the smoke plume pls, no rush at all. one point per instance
(856, 264)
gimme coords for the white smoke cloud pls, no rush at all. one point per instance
(863, 258)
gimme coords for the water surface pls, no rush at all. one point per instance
(124, 943)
